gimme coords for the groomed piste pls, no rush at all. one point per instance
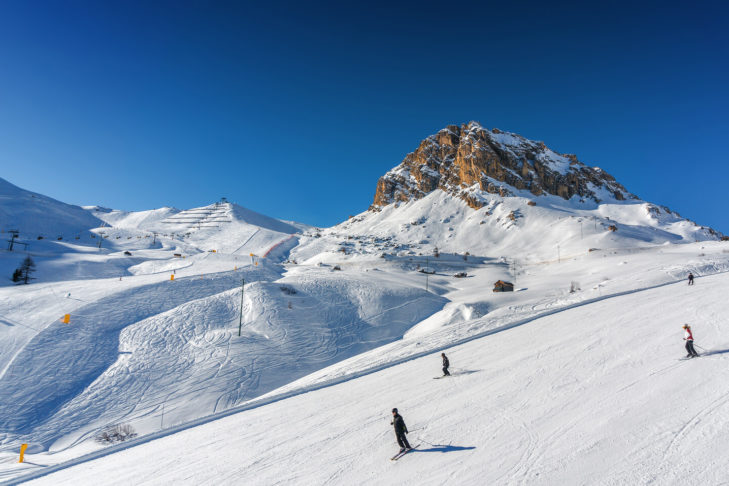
(595, 394)
(216, 332)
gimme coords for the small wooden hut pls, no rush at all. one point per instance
(502, 286)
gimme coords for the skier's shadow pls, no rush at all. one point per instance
(444, 448)
(718, 351)
(464, 372)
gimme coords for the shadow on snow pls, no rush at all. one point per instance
(444, 448)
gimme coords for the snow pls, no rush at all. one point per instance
(338, 327)
(590, 395)
(508, 139)
(148, 220)
(36, 215)
(555, 161)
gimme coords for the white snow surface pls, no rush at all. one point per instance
(590, 395)
(338, 326)
(143, 220)
(33, 215)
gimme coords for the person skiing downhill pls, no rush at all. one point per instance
(689, 338)
(446, 364)
(691, 278)
(400, 430)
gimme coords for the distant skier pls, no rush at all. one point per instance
(446, 364)
(691, 278)
(689, 338)
(400, 431)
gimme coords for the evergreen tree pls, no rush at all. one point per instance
(24, 271)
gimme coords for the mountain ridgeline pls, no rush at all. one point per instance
(468, 160)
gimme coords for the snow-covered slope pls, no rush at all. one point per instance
(224, 227)
(592, 395)
(504, 227)
(34, 215)
(141, 220)
(175, 343)
(152, 338)
(310, 318)
(155, 305)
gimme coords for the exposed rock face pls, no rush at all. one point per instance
(466, 160)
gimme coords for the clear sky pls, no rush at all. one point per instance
(296, 109)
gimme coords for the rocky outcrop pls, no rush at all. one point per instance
(468, 160)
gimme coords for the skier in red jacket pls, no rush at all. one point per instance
(689, 338)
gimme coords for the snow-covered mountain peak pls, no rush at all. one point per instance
(524, 197)
(469, 161)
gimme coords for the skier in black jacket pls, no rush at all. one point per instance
(400, 430)
(446, 364)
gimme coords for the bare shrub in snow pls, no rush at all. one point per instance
(574, 287)
(287, 290)
(116, 433)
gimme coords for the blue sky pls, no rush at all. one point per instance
(295, 110)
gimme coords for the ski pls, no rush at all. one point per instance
(439, 377)
(400, 454)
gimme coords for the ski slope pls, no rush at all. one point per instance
(166, 352)
(155, 304)
(594, 394)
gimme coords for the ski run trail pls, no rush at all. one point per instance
(573, 378)
(590, 395)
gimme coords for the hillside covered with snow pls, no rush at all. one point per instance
(35, 215)
(595, 394)
(224, 318)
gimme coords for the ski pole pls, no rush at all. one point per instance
(431, 444)
(425, 441)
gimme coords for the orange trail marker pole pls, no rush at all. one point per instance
(66, 318)
(172, 277)
(23, 447)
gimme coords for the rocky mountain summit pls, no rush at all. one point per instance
(469, 160)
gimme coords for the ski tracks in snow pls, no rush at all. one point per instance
(691, 425)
